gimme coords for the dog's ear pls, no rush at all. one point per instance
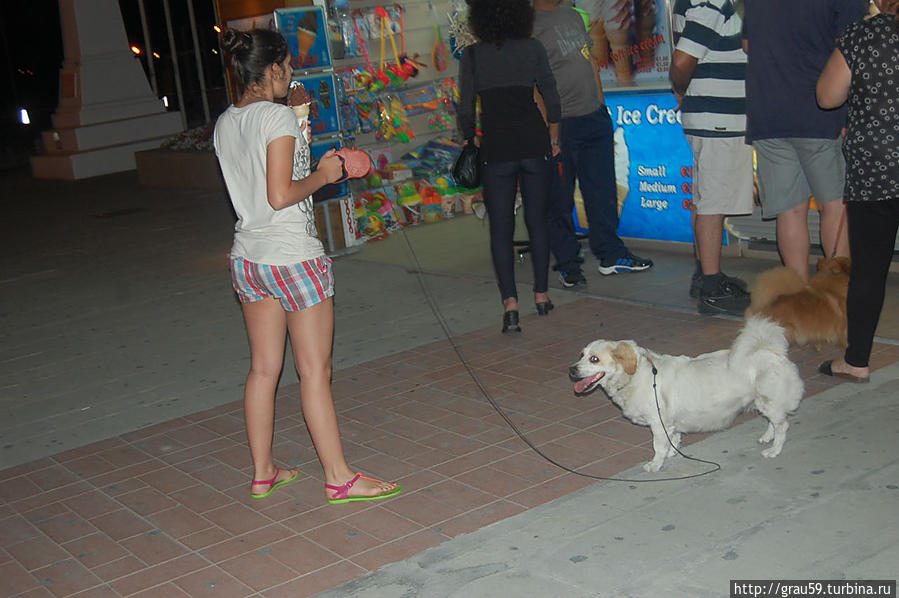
(626, 356)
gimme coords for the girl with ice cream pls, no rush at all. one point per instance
(279, 269)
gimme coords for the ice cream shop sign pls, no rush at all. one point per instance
(304, 29)
(653, 168)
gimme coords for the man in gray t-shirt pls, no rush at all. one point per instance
(587, 150)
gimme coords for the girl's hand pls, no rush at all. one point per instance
(331, 165)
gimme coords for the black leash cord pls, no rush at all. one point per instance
(435, 309)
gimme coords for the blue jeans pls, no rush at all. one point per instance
(500, 181)
(588, 155)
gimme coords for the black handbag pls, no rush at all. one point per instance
(466, 168)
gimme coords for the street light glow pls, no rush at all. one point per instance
(23, 116)
(136, 50)
(217, 28)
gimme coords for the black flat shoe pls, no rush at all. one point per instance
(826, 368)
(510, 321)
(544, 307)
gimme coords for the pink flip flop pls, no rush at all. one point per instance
(272, 484)
(342, 493)
(356, 163)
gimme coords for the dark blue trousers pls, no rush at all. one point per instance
(588, 155)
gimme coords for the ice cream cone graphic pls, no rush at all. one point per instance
(305, 39)
(611, 39)
(645, 28)
(307, 29)
(600, 48)
(619, 38)
(622, 167)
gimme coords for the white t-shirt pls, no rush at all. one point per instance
(262, 234)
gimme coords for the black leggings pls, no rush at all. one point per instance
(500, 180)
(872, 237)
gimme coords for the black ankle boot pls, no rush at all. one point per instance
(510, 321)
(544, 307)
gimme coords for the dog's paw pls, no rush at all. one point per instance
(768, 436)
(652, 466)
(770, 453)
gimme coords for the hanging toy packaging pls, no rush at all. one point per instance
(394, 125)
(439, 56)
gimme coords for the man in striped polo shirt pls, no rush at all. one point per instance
(708, 77)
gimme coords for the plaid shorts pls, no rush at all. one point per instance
(297, 287)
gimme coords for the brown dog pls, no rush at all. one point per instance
(812, 312)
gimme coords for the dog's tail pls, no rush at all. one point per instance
(760, 340)
(771, 284)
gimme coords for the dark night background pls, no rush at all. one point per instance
(31, 55)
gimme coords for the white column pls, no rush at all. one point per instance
(107, 109)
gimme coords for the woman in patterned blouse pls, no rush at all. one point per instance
(864, 70)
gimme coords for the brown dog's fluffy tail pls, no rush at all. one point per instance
(771, 284)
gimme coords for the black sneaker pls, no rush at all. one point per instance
(729, 298)
(628, 263)
(571, 278)
(696, 283)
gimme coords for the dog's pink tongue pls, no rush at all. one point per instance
(582, 385)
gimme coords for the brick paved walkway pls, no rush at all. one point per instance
(165, 511)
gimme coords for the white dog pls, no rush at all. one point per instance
(697, 394)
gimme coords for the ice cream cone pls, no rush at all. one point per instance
(305, 39)
(300, 102)
(618, 41)
(622, 168)
(600, 49)
(645, 27)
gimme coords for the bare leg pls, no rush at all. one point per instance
(267, 330)
(793, 238)
(707, 233)
(831, 217)
(311, 332)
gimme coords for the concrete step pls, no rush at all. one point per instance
(111, 133)
(81, 165)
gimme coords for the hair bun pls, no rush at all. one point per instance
(236, 42)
